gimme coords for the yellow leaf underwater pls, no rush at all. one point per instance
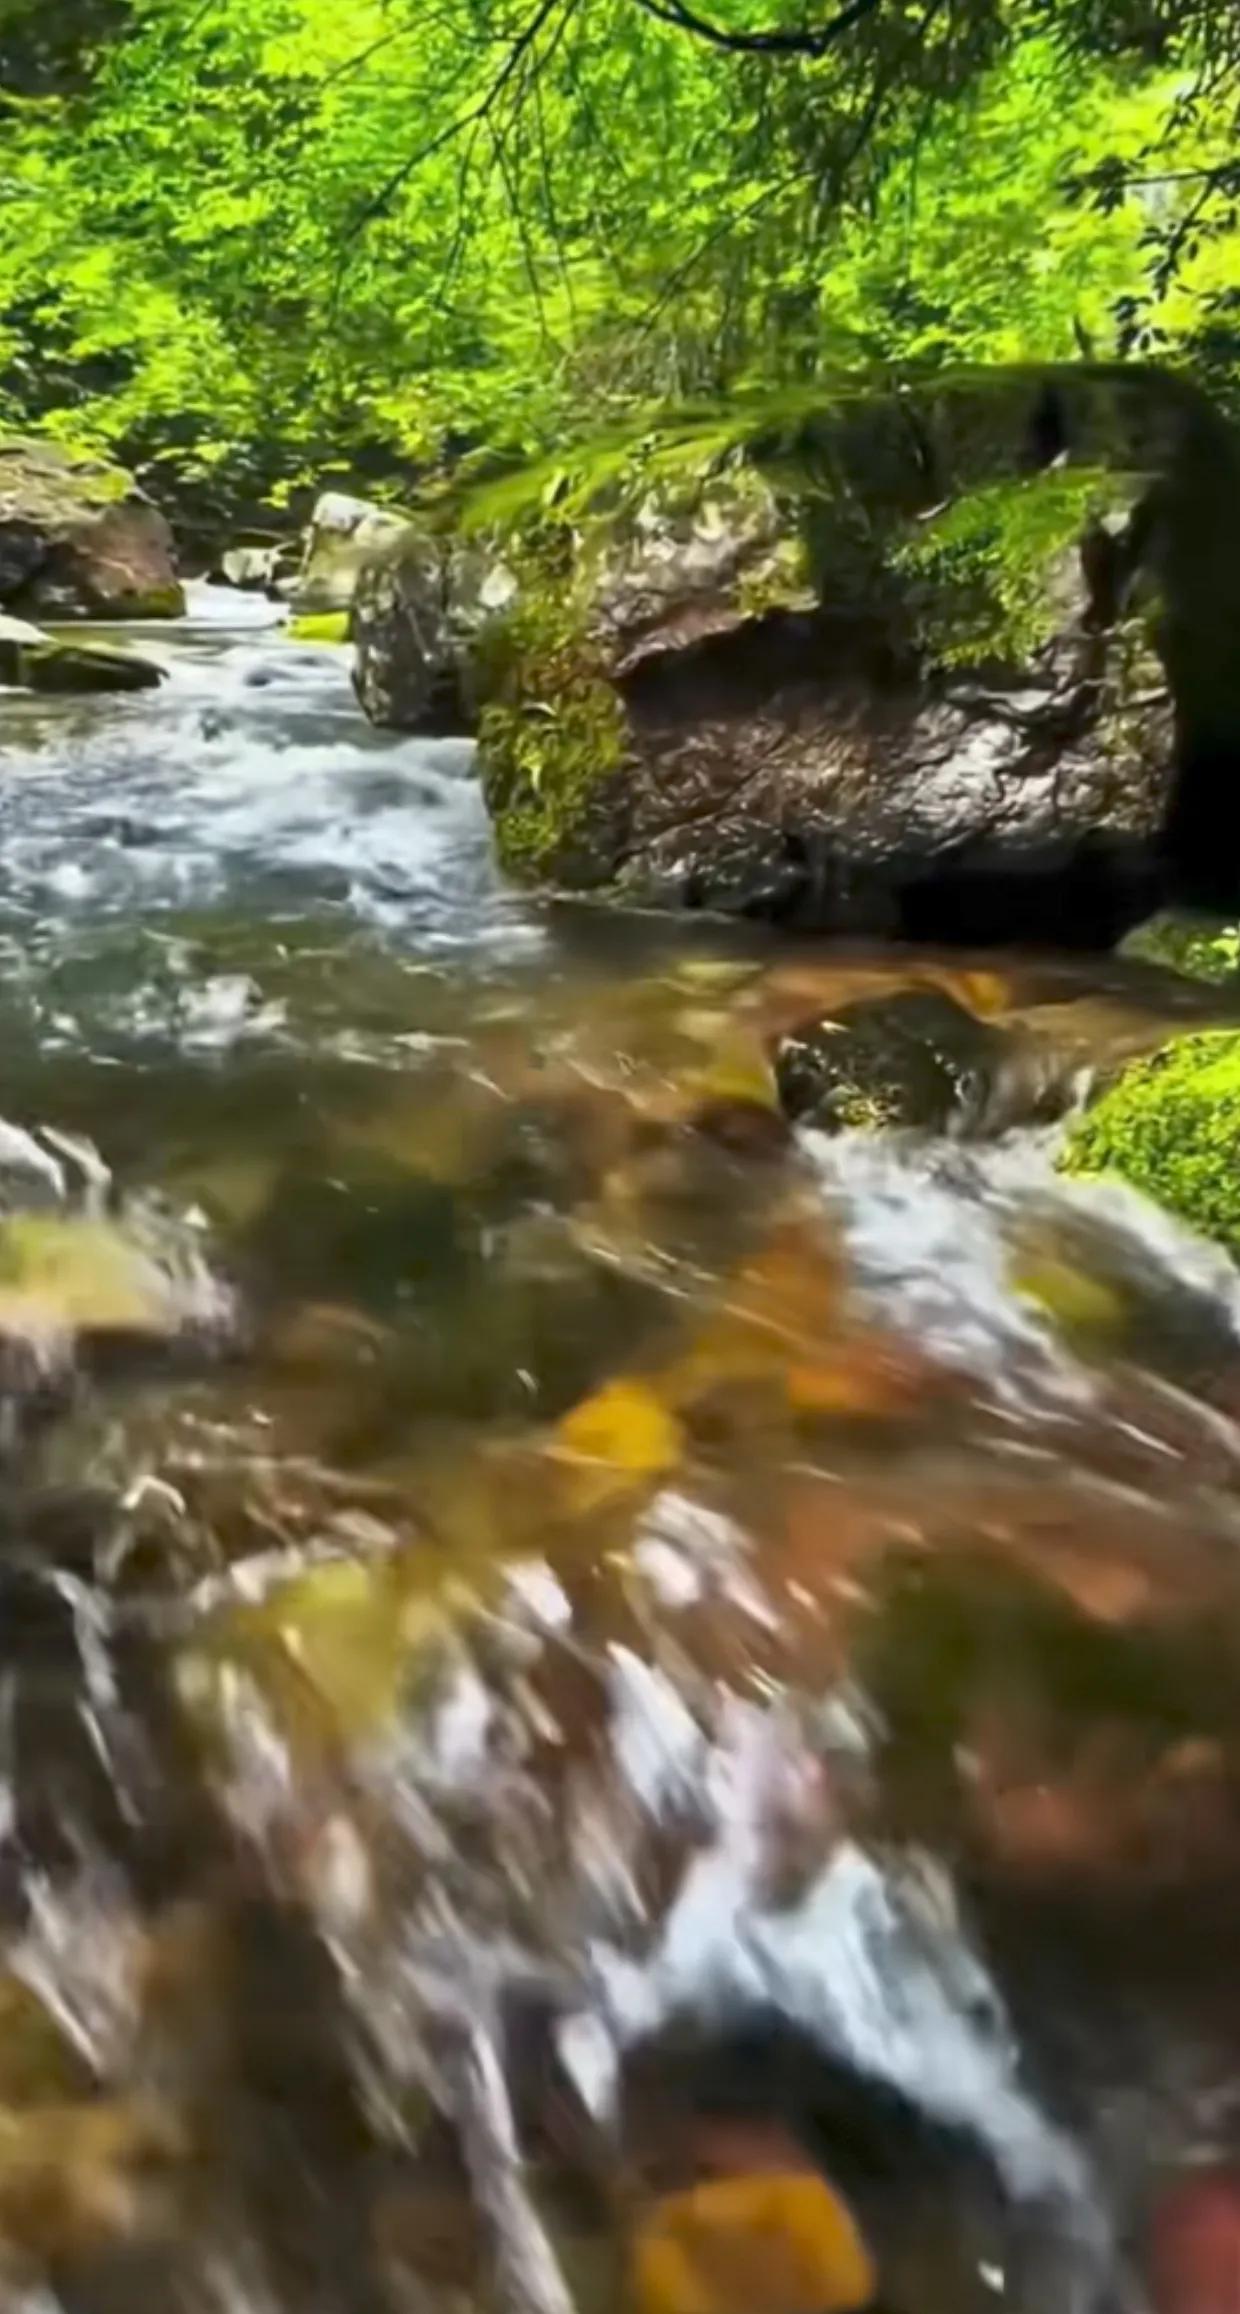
(623, 1432)
(783, 2243)
(84, 1276)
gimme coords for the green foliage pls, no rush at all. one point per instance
(255, 244)
(1171, 1126)
(982, 573)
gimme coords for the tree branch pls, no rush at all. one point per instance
(808, 40)
(472, 117)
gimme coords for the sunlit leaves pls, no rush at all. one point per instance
(263, 236)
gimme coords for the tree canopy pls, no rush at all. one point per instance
(266, 240)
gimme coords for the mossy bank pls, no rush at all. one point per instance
(1170, 1126)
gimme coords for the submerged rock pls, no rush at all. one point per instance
(79, 539)
(914, 1059)
(944, 664)
(1170, 1125)
(33, 661)
(1195, 2245)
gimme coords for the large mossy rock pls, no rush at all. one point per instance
(1170, 1125)
(955, 663)
(78, 539)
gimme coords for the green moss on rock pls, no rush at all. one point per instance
(1170, 1125)
(551, 730)
(1201, 947)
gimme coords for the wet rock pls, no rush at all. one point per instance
(78, 539)
(343, 532)
(421, 607)
(916, 1059)
(1170, 1125)
(1202, 947)
(39, 2064)
(941, 695)
(77, 2180)
(33, 661)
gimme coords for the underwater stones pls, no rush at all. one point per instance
(1170, 1126)
(915, 1059)
(78, 539)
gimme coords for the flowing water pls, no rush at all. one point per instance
(585, 1631)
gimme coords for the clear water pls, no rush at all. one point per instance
(597, 1632)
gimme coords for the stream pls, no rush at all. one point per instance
(601, 1644)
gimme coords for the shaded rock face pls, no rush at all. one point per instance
(78, 539)
(419, 614)
(343, 534)
(947, 671)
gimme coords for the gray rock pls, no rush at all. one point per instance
(342, 534)
(78, 539)
(422, 606)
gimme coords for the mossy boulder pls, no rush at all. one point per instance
(79, 539)
(952, 663)
(319, 627)
(1170, 1125)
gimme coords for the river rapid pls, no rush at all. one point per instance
(612, 1627)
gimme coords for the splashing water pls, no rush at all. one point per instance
(565, 1582)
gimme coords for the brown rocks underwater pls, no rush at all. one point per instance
(599, 1712)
